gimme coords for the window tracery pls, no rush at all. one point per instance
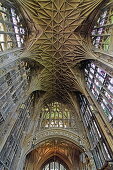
(99, 147)
(101, 87)
(102, 31)
(13, 85)
(11, 29)
(54, 164)
(12, 147)
(56, 115)
(12, 35)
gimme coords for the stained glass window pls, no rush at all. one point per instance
(100, 149)
(56, 115)
(101, 86)
(54, 164)
(12, 146)
(12, 31)
(101, 33)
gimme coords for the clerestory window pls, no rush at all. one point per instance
(99, 147)
(100, 85)
(12, 32)
(103, 29)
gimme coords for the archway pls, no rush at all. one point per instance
(56, 152)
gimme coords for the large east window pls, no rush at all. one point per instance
(56, 115)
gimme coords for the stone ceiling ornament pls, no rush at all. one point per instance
(58, 46)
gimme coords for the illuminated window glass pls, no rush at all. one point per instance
(100, 149)
(101, 34)
(12, 146)
(56, 115)
(54, 163)
(101, 86)
(11, 29)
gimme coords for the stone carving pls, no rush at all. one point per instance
(40, 136)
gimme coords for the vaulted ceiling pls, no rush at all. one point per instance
(57, 43)
(65, 150)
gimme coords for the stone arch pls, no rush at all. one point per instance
(34, 141)
(57, 133)
(62, 157)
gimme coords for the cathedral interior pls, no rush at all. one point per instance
(56, 84)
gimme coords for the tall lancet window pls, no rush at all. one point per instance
(11, 28)
(100, 85)
(98, 143)
(56, 115)
(14, 73)
(103, 29)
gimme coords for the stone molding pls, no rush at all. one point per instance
(43, 135)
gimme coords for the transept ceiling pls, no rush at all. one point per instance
(56, 43)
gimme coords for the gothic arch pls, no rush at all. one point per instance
(57, 133)
(62, 157)
(45, 149)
